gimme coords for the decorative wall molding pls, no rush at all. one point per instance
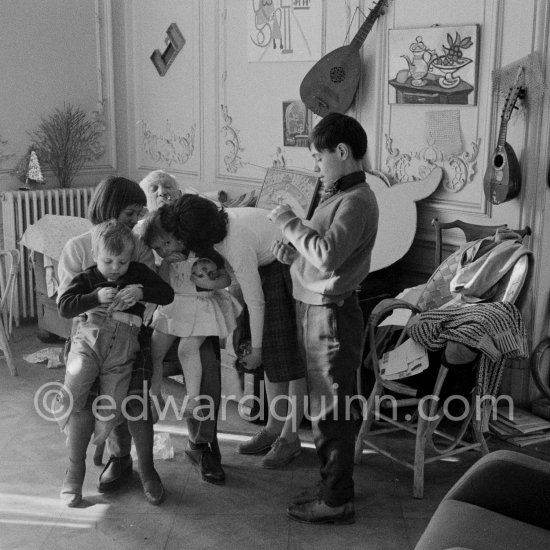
(458, 169)
(168, 149)
(103, 117)
(3, 155)
(232, 159)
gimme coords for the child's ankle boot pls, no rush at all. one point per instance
(152, 487)
(71, 492)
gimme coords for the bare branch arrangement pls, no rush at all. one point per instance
(65, 141)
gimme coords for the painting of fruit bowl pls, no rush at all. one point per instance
(433, 65)
(449, 80)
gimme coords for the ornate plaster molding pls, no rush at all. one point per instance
(458, 169)
(232, 158)
(168, 149)
(4, 156)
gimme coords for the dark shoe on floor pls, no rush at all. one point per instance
(317, 511)
(308, 495)
(257, 444)
(281, 453)
(153, 488)
(117, 470)
(207, 463)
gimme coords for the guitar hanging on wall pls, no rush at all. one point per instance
(330, 85)
(502, 179)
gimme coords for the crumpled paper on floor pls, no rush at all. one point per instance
(53, 357)
(162, 447)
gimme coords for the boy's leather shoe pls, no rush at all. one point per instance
(207, 463)
(257, 444)
(308, 495)
(282, 452)
(317, 511)
(117, 470)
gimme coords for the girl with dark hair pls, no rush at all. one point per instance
(244, 236)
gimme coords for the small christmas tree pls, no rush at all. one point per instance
(34, 173)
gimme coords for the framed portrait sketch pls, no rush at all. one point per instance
(434, 65)
(296, 188)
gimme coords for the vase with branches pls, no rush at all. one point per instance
(65, 140)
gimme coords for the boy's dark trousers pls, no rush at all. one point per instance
(330, 338)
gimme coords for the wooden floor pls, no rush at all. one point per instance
(248, 512)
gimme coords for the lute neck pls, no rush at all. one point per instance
(502, 132)
(365, 28)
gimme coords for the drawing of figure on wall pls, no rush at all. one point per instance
(281, 30)
(267, 22)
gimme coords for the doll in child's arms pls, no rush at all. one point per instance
(204, 269)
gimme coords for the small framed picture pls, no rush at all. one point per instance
(297, 119)
(299, 189)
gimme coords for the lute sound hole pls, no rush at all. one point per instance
(337, 75)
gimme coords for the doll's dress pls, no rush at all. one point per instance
(193, 312)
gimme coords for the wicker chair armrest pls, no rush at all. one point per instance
(386, 307)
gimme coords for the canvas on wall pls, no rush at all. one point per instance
(284, 30)
(297, 123)
(434, 65)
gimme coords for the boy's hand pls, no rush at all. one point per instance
(285, 253)
(279, 210)
(253, 360)
(106, 295)
(127, 297)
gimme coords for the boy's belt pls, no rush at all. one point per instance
(128, 318)
(120, 316)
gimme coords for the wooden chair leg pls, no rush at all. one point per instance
(5, 347)
(368, 419)
(480, 438)
(420, 453)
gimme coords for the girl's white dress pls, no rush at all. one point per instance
(193, 312)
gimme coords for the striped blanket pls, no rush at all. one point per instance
(496, 329)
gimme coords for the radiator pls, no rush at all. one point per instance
(23, 208)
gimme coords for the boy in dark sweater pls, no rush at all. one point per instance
(329, 258)
(105, 302)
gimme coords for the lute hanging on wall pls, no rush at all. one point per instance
(502, 179)
(331, 83)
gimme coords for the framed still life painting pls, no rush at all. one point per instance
(434, 65)
(299, 189)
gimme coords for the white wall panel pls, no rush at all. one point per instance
(167, 108)
(54, 52)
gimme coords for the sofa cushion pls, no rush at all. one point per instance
(508, 483)
(463, 525)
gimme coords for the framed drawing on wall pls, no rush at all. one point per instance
(298, 189)
(434, 65)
